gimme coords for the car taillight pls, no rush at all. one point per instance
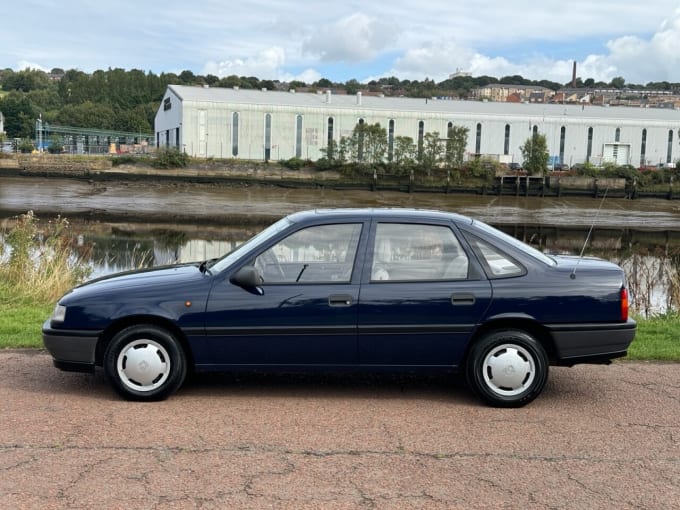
(624, 304)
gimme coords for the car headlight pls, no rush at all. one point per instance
(59, 313)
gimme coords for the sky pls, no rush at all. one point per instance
(364, 40)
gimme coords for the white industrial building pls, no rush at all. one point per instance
(273, 125)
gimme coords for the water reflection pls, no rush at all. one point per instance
(651, 259)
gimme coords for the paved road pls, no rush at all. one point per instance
(598, 437)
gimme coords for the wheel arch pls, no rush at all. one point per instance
(138, 320)
(521, 323)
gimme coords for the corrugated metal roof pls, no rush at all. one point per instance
(377, 103)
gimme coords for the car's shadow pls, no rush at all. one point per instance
(255, 384)
(450, 388)
(360, 385)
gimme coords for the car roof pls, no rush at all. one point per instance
(391, 213)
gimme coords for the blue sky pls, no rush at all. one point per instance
(363, 40)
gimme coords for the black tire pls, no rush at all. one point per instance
(507, 368)
(159, 366)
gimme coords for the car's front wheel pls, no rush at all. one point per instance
(507, 368)
(145, 362)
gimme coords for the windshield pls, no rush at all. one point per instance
(237, 253)
(516, 243)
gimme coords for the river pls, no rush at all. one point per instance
(133, 224)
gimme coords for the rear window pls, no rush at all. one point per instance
(516, 243)
(496, 263)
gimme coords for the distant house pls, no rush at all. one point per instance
(501, 92)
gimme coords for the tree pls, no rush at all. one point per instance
(535, 154)
(352, 86)
(87, 115)
(368, 144)
(20, 115)
(405, 152)
(432, 150)
(456, 142)
(324, 83)
(27, 80)
(618, 83)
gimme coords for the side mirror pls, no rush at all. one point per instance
(249, 278)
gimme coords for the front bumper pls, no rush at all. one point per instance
(592, 343)
(71, 350)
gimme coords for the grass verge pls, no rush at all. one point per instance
(657, 338)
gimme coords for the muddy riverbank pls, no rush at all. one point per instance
(176, 202)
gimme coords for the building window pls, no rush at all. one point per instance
(267, 136)
(589, 150)
(506, 145)
(234, 134)
(534, 131)
(421, 139)
(563, 137)
(478, 139)
(643, 148)
(617, 135)
(177, 138)
(298, 136)
(330, 143)
(669, 154)
(390, 141)
(449, 143)
(360, 149)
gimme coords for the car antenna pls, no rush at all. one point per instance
(592, 226)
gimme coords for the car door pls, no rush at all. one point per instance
(305, 312)
(422, 295)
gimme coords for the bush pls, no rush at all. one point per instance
(293, 163)
(26, 147)
(41, 264)
(124, 160)
(170, 157)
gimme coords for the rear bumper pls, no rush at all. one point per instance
(592, 343)
(73, 351)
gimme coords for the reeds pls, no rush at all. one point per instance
(40, 262)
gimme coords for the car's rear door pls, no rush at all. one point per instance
(422, 295)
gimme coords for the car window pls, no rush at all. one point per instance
(497, 263)
(410, 252)
(319, 254)
(238, 252)
(516, 243)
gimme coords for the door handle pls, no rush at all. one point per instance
(463, 299)
(340, 300)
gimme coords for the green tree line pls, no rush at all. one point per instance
(127, 100)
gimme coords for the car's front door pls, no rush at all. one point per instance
(421, 296)
(306, 312)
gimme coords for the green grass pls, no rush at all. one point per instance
(21, 321)
(657, 338)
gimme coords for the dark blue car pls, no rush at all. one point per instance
(372, 289)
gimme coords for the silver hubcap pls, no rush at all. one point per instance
(143, 365)
(509, 370)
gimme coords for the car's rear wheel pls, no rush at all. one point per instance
(145, 362)
(507, 368)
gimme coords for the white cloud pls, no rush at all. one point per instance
(24, 64)
(354, 38)
(302, 39)
(268, 64)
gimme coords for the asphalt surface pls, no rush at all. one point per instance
(598, 437)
